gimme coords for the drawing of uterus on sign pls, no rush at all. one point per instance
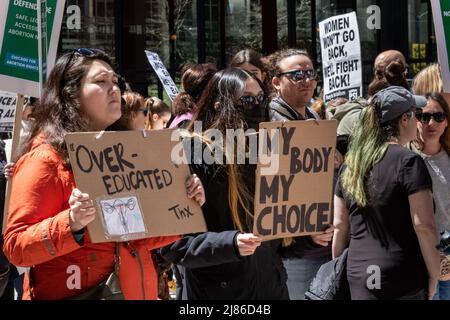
(122, 216)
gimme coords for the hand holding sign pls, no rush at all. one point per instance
(247, 243)
(195, 190)
(324, 238)
(82, 211)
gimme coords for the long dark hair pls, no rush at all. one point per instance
(445, 138)
(218, 109)
(59, 110)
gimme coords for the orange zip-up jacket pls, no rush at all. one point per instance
(38, 235)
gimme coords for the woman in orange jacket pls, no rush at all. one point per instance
(47, 215)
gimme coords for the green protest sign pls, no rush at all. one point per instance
(25, 41)
(441, 17)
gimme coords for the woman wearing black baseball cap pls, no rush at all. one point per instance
(384, 206)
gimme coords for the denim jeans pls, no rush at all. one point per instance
(300, 274)
(442, 291)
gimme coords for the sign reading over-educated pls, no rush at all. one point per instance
(21, 55)
(296, 199)
(163, 75)
(138, 193)
(441, 17)
(341, 57)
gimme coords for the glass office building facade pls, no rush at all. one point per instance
(183, 31)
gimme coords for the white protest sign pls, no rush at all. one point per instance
(441, 17)
(341, 57)
(163, 75)
(7, 111)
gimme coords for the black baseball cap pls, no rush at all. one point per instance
(395, 101)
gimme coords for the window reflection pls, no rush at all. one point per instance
(96, 27)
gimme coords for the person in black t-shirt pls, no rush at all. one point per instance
(384, 206)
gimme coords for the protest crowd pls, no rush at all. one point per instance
(387, 225)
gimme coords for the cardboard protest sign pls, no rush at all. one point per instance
(341, 57)
(136, 188)
(441, 17)
(163, 75)
(29, 35)
(295, 199)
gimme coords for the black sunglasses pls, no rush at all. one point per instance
(86, 52)
(425, 117)
(300, 75)
(249, 102)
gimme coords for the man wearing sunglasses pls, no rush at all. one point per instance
(295, 83)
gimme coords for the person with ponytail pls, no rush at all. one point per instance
(194, 80)
(229, 262)
(384, 206)
(157, 113)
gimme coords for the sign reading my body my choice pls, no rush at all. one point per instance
(19, 43)
(294, 198)
(341, 57)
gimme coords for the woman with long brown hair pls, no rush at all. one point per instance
(229, 262)
(48, 215)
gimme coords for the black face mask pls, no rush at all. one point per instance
(254, 109)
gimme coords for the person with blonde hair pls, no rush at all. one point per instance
(428, 80)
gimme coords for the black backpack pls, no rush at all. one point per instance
(330, 282)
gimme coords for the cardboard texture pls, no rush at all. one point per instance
(296, 199)
(137, 190)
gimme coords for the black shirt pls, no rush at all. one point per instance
(382, 234)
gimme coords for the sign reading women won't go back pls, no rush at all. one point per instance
(341, 57)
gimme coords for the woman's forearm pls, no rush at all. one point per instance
(427, 236)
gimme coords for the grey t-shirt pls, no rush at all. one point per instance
(439, 169)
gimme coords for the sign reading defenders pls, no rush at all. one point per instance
(296, 200)
(29, 35)
(163, 75)
(441, 17)
(138, 193)
(341, 57)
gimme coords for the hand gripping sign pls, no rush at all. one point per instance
(138, 193)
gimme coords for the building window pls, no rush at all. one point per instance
(96, 27)
(243, 26)
(422, 45)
